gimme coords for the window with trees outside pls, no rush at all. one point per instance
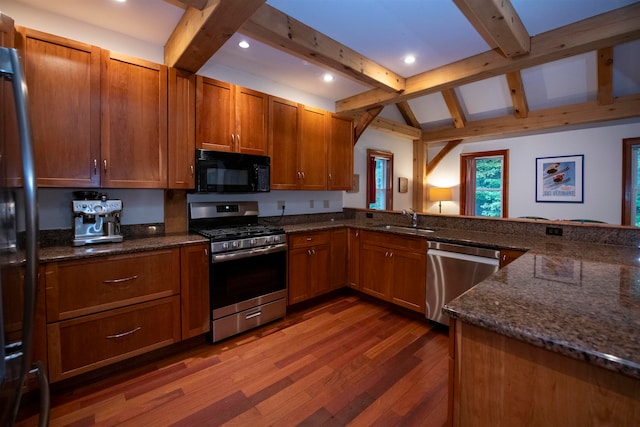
(379, 180)
(631, 181)
(484, 182)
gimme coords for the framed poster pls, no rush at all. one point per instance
(560, 179)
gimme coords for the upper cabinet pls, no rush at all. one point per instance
(134, 122)
(182, 133)
(284, 129)
(340, 153)
(63, 77)
(230, 117)
(100, 117)
(313, 141)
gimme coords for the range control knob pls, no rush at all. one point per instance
(252, 242)
(225, 245)
(269, 239)
(234, 244)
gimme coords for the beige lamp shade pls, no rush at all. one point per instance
(440, 194)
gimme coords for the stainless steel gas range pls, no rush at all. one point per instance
(248, 270)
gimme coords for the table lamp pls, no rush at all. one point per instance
(440, 195)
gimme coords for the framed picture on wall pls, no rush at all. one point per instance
(560, 179)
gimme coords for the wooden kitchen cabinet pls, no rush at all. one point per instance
(284, 130)
(63, 77)
(194, 271)
(312, 157)
(230, 117)
(393, 268)
(134, 122)
(353, 272)
(106, 309)
(338, 258)
(182, 133)
(308, 265)
(340, 153)
(507, 256)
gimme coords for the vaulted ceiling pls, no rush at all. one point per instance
(483, 67)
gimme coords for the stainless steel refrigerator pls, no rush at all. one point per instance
(18, 261)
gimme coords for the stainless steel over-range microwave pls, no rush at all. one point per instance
(220, 172)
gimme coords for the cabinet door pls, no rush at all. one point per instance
(319, 270)
(507, 256)
(284, 126)
(251, 121)
(338, 259)
(182, 136)
(340, 153)
(376, 271)
(215, 122)
(134, 122)
(313, 149)
(299, 266)
(409, 280)
(353, 279)
(194, 270)
(63, 77)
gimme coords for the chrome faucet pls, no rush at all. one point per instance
(413, 216)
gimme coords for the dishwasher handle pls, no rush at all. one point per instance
(463, 257)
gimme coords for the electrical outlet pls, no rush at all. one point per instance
(554, 231)
(311, 204)
(325, 204)
(369, 215)
(280, 205)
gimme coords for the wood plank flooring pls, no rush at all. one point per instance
(344, 362)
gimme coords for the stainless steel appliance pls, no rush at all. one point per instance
(220, 172)
(452, 270)
(18, 268)
(96, 221)
(248, 270)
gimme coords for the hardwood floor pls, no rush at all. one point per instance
(343, 362)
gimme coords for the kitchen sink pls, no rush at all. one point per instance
(405, 229)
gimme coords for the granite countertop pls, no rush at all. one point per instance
(575, 298)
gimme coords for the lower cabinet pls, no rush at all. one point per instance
(308, 265)
(394, 268)
(103, 310)
(338, 258)
(353, 251)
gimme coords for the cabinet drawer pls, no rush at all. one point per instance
(301, 240)
(78, 288)
(89, 342)
(389, 240)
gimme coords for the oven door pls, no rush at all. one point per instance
(243, 279)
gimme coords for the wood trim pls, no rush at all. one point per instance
(498, 23)
(273, 27)
(556, 117)
(605, 76)
(607, 29)
(409, 118)
(389, 190)
(518, 95)
(399, 129)
(627, 174)
(419, 174)
(200, 33)
(455, 108)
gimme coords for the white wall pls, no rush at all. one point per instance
(602, 149)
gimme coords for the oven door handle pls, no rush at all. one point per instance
(216, 258)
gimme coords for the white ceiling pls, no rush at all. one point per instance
(435, 31)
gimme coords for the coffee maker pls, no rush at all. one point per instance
(96, 218)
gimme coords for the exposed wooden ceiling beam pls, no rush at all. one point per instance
(196, 4)
(588, 112)
(455, 109)
(364, 121)
(605, 76)
(281, 31)
(608, 29)
(498, 23)
(441, 155)
(407, 114)
(396, 128)
(518, 96)
(200, 33)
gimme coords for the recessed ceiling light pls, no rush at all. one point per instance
(243, 44)
(121, 1)
(409, 59)
(327, 77)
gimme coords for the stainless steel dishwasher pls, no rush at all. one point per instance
(453, 269)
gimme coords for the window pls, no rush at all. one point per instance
(484, 182)
(379, 180)
(631, 181)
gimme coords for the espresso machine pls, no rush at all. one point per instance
(96, 219)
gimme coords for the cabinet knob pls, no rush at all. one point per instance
(95, 166)
(330, 177)
(191, 170)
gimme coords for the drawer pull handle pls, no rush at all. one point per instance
(116, 281)
(252, 315)
(124, 334)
